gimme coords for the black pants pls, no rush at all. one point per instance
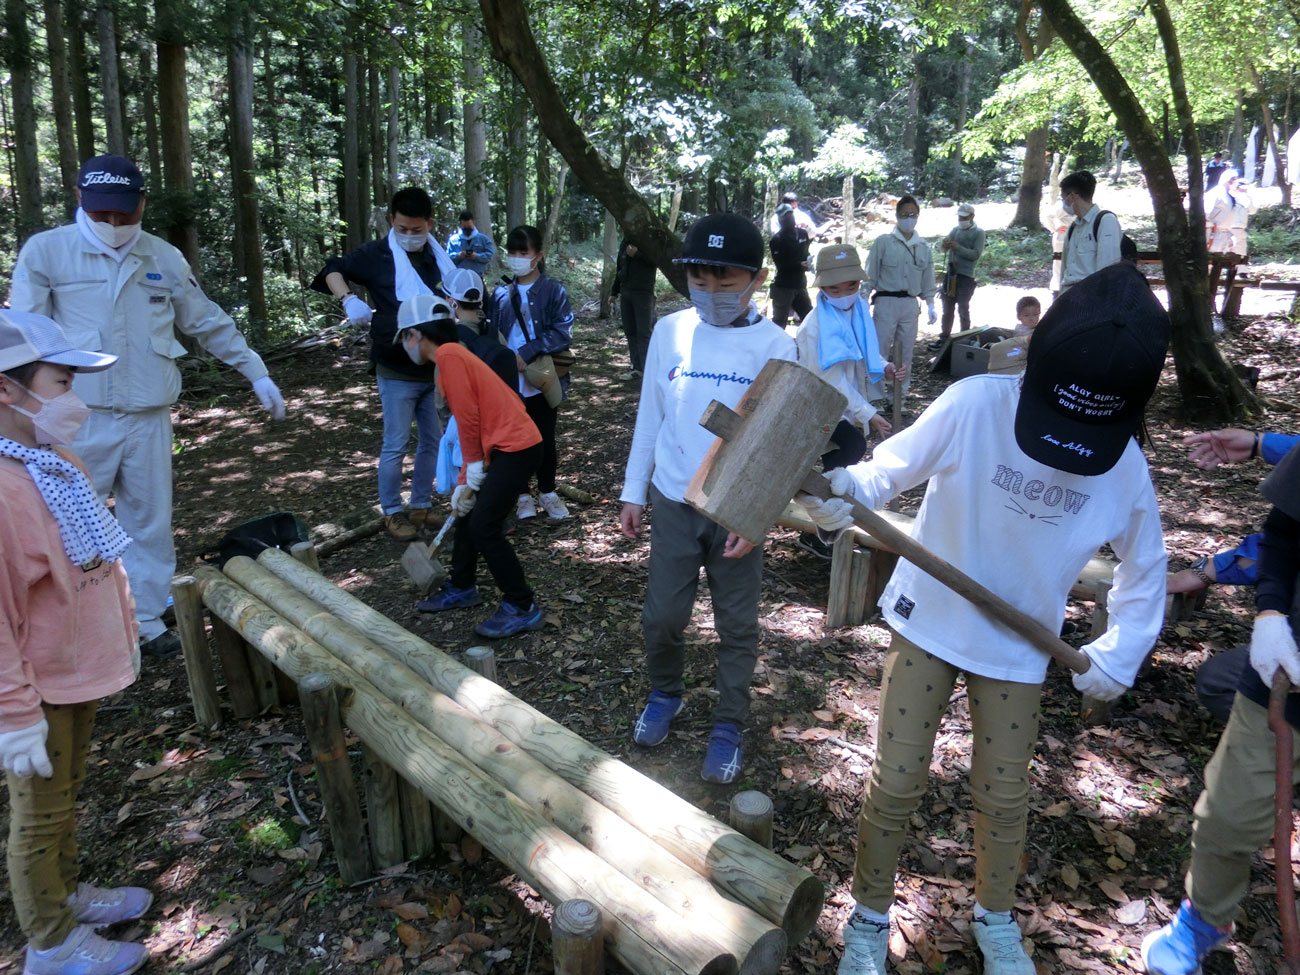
(544, 416)
(960, 301)
(483, 530)
(850, 446)
(786, 299)
(637, 309)
(1217, 680)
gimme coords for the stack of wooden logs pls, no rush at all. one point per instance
(677, 890)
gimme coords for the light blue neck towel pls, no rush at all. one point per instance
(848, 335)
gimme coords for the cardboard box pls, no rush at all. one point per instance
(970, 352)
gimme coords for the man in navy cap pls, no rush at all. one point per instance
(116, 288)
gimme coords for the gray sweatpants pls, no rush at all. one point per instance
(681, 541)
(895, 318)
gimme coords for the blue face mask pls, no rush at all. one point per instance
(719, 308)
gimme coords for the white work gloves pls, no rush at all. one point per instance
(462, 500)
(1272, 648)
(358, 312)
(831, 515)
(268, 394)
(22, 752)
(934, 316)
(475, 474)
(841, 482)
(1096, 682)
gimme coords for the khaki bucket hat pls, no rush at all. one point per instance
(837, 263)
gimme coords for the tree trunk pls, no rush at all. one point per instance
(910, 124)
(542, 162)
(378, 144)
(1029, 198)
(557, 204)
(394, 122)
(352, 205)
(248, 225)
(108, 78)
(148, 85)
(517, 159)
(82, 116)
(847, 195)
(275, 228)
(476, 191)
(61, 97)
(963, 108)
(27, 174)
(1210, 388)
(174, 134)
(676, 207)
(513, 43)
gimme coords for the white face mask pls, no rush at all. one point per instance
(1066, 208)
(412, 242)
(114, 236)
(965, 223)
(411, 343)
(844, 302)
(519, 265)
(907, 224)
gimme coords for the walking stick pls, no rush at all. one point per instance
(1282, 803)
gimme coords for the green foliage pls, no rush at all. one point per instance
(1010, 253)
(274, 834)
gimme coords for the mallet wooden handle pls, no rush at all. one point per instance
(952, 577)
(1282, 799)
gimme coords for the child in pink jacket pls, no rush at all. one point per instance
(67, 638)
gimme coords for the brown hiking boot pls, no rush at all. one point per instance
(420, 517)
(399, 526)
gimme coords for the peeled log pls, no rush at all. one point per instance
(779, 890)
(643, 934)
(758, 946)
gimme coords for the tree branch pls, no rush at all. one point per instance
(1186, 121)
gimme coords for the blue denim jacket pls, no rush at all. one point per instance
(478, 242)
(548, 305)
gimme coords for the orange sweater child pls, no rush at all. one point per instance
(501, 448)
(489, 414)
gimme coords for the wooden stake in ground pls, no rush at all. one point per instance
(198, 658)
(751, 814)
(577, 943)
(898, 386)
(320, 711)
(1283, 800)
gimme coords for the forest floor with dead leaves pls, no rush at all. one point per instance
(225, 827)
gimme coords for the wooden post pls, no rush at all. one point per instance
(320, 711)
(838, 597)
(383, 813)
(858, 610)
(898, 386)
(482, 660)
(305, 552)
(285, 688)
(1100, 612)
(372, 527)
(264, 682)
(198, 659)
(417, 821)
(751, 814)
(240, 683)
(879, 569)
(577, 942)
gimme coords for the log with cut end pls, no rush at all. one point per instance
(778, 890)
(758, 945)
(642, 933)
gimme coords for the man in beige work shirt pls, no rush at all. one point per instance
(900, 269)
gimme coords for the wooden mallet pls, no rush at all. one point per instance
(421, 561)
(1283, 800)
(765, 455)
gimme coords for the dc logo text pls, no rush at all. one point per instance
(716, 240)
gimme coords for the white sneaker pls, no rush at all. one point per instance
(866, 947)
(525, 508)
(553, 506)
(1001, 943)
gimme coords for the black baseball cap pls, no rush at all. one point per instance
(724, 240)
(1094, 361)
(110, 183)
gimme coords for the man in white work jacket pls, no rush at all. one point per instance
(900, 269)
(116, 289)
(1092, 240)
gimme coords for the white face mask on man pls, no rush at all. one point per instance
(114, 236)
(412, 242)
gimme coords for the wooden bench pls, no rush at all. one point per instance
(861, 566)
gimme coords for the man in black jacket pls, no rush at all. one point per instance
(789, 247)
(634, 286)
(401, 265)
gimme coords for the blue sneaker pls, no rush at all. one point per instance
(866, 947)
(1178, 947)
(652, 727)
(449, 597)
(723, 756)
(509, 620)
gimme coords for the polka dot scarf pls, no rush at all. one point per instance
(90, 534)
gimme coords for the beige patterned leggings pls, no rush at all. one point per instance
(1004, 722)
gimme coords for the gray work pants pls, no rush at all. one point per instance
(681, 542)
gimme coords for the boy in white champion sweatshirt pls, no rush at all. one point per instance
(712, 350)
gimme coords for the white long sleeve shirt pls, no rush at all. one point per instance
(689, 364)
(128, 309)
(1020, 528)
(848, 376)
(1083, 253)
